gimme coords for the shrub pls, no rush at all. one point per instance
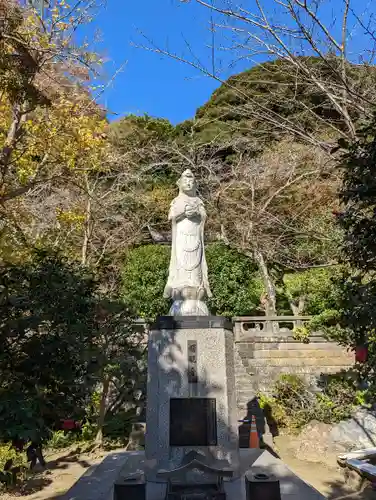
(89, 431)
(119, 426)
(60, 439)
(9, 453)
(301, 333)
(293, 403)
(295, 399)
(338, 397)
(9, 476)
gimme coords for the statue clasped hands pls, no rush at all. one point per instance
(191, 210)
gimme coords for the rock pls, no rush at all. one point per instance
(315, 444)
(357, 432)
(136, 437)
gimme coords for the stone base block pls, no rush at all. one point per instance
(190, 358)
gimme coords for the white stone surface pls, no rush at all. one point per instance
(359, 431)
(167, 378)
(187, 283)
(97, 484)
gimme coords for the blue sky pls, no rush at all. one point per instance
(160, 86)
(149, 82)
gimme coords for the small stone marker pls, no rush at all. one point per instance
(261, 485)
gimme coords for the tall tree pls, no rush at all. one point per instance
(120, 360)
(311, 91)
(46, 329)
(52, 132)
(354, 318)
(294, 32)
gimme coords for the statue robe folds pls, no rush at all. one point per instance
(188, 274)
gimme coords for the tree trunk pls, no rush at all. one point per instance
(14, 132)
(271, 295)
(87, 224)
(102, 411)
(297, 309)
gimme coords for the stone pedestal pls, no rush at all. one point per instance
(191, 397)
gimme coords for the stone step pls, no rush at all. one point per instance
(283, 346)
(242, 403)
(243, 406)
(303, 353)
(298, 362)
(245, 379)
(245, 391)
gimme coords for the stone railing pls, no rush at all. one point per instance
(246, 327)
(263, 326)
(266, 348)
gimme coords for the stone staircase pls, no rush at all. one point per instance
(247, 405)
(260, 362)
(267, 362)
(245, 390)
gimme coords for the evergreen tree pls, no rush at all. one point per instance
(353, 322)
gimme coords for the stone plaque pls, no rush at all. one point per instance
(193, 422)
(192, 362)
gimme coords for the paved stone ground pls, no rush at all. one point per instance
(292, 487)
(97, 482)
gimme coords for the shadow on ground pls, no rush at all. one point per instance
(39, 479)
(63, 462)
(263, 418)
(338, 491)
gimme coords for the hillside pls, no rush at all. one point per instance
(273, 99)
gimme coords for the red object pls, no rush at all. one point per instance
(254, 441)
(69, 424)
(361, 354)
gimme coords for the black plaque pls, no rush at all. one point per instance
(193, 422)
(192, 362)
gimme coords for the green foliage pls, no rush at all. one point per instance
(89, 431)
(339, 397)
(119, 426)
(140, 136)
(294, 404)
(276, 86)
(316, 288)
(7, 452)
(59, 338)
(301, 333)
(233, 277)
(358, 194)
(45, 331)
(273, 410)
(351, 319)
(290, 403)
(15, 471)
(60, 439)
(234, 281)
(144, 277)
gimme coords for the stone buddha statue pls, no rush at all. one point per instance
(187, 283)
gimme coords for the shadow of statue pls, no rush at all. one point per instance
(262, 416)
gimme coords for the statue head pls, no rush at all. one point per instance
(187, 182)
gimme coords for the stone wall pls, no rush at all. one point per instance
(266, 348)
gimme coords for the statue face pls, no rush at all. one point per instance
(187, 183)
